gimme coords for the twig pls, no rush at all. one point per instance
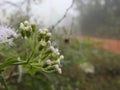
(11, 3)
(64, 16)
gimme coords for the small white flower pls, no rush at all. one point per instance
(59, 71)
(22, 26)
(61, 57)
(49, 34)
(48, 62)
(58, 61)
(46, 30)
(56, 66)
(43, 43)
(26, 23)
(42, 31)
(52, 48)
(49, 42)
(7, 35)
(56, 50)
(57, 53)
(27, 28)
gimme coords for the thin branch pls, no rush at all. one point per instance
(10, 3)
(63, 17)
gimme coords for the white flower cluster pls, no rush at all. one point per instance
(48, 55)
(56, 63)
(26, 29)
(54, 59)
(7, 35)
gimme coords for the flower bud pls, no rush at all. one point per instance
(28, 28)
(49, 34)
(33, 27)
(52, 48)
(43, 43)
(46, 30)
(61, 57)
(58, 69)
(42, 32)
(26, 23)
(56, 50)
(56, 66)
(48, 62)
(49, 42)
(22, 26)
(28, 31)
(57, 53)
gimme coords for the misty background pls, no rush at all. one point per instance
(87, 33)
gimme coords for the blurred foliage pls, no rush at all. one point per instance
(106, 67)
(99, 18)
(105, 77)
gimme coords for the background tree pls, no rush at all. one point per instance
(99, 17)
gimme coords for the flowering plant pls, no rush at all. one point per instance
(32, 50)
